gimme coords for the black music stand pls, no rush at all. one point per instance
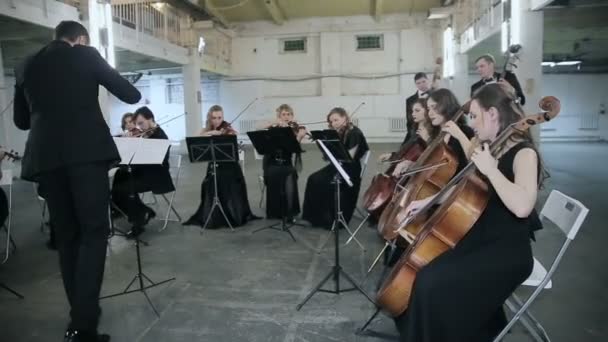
(282, 142)
(213, 149)
(335, 151)
(331, 139)
(134, 152)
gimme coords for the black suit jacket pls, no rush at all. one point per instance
(509, 77)
(56, 98)
(155, 178)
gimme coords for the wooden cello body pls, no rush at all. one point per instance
(450, 222)
(381, 189)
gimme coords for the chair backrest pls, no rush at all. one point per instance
(364, 161)
(7, 177)
(565, 212)
(257, 156)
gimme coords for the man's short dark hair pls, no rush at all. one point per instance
(145, 112)
(70, 30)
(419, 75)
(487, 57)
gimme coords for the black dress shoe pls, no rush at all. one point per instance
(83, 336)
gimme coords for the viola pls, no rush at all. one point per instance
(451, 221)
(226, 128)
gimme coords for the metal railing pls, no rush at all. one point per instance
(153, 18)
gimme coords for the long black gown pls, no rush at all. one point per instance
(458, 297)
(281, 180)
(319, 206)
(232, 192)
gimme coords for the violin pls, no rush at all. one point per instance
(451, 221)
(225, 128)
(9, 155)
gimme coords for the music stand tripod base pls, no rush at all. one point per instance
(336, 270)
(5, 287)
(280, 226)
(140, 276)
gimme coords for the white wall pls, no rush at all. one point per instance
(331, 72)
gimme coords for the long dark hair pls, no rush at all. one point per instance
(510, 111)
(123, 121)
(342, 113)
(433, 131)
(447, 105)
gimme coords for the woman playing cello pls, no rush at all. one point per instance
(459, 295)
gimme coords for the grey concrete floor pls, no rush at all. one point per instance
(239, 286)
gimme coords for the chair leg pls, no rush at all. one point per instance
(516, 309)
(527, 316)
(170, 209)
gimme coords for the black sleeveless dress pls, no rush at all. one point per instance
(458, 297)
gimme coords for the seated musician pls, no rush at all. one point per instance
(281, 172)
(3, 198)
(459, 296)
(127, 124)
(231, 186)
(154, 178)
(421, 125)
(319, 206)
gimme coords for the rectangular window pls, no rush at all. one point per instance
(175, 91)
(292, 45)
(370, 42)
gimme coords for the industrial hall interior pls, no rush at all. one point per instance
(303, 170)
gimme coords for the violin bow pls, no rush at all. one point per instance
(352, 115)
(243, 111)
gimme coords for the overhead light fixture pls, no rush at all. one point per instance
(201, 44)
(439, 13)
(548, 64)
(576, 62)
(504, 36)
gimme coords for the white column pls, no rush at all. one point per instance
(330, 63)
(459, 83)
(192, 94)
(527, 30)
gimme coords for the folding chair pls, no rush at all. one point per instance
(261, 182)
(175, 167)
(7, 180)
(362, 215)
(568, 214)
(43, 208)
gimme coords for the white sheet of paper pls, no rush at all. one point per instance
(345, 175)
(142, 151)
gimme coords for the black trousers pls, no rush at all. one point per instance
(3, 207)
(78, 197)
(124, 196)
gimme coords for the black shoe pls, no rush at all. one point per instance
(83, 336)
(135, 232)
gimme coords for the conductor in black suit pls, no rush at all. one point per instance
(69, 151)
(423, 86)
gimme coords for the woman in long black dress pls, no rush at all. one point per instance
(281, 172)
(459, 295)
(319, 207)
(231, 187)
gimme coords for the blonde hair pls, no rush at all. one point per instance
(284, 108)
(214, 108)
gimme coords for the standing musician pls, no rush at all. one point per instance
(280, 175)
(231, 186)
(485, 66)
(459, 295)
(423, 86)
(154, 178)
(68, 152)
(319, 206)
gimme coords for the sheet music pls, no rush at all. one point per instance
(142, 151)
(343, 173)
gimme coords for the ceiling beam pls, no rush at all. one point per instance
(377, 9)
(275, 11)
(209, 7)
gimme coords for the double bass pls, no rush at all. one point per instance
(451, 221)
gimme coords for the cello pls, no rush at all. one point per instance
(451, 221)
